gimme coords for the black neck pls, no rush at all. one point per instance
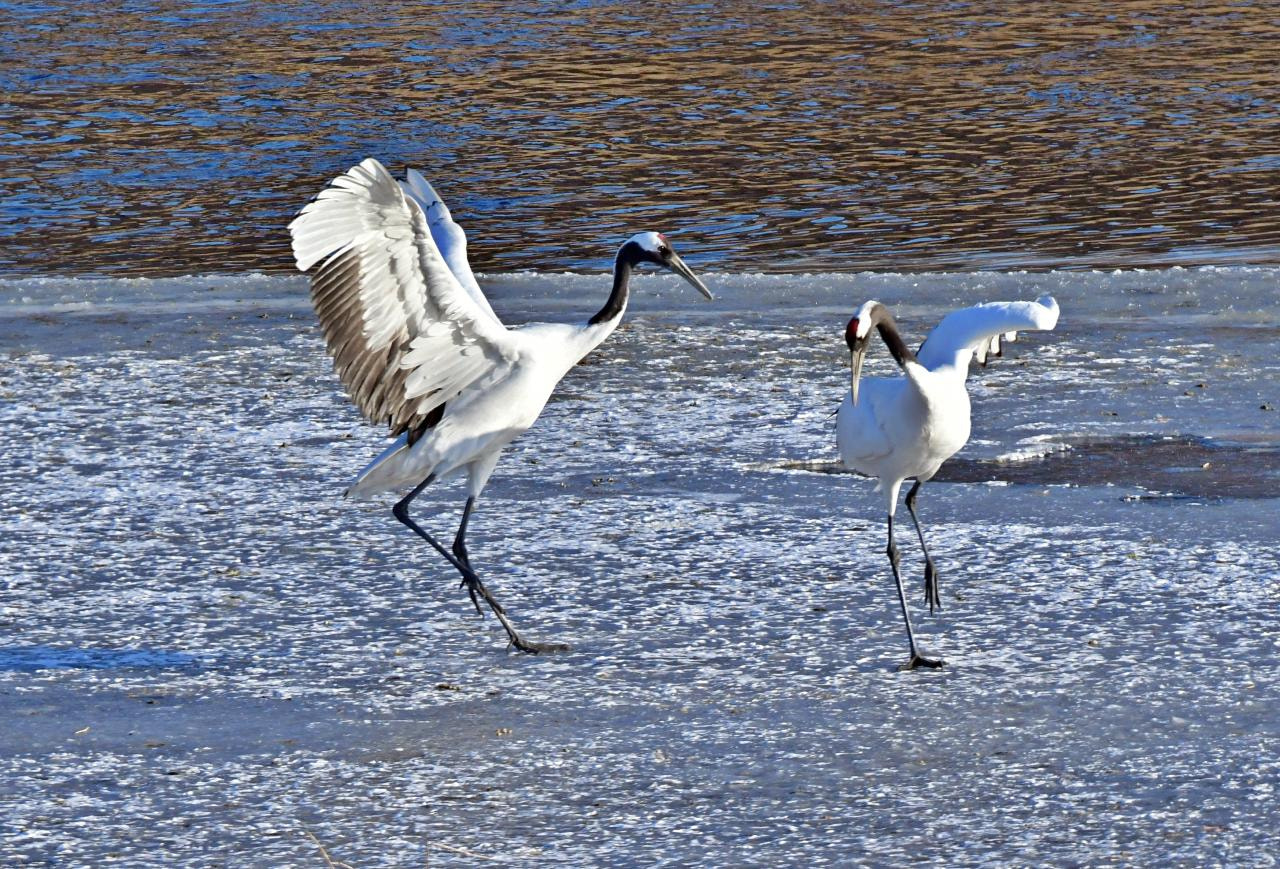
(888, 330)
(627, 258)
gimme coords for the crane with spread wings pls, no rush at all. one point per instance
(419, 349)
(904, 427)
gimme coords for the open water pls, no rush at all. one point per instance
(207, 657)
(164, 138)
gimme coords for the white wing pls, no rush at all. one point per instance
(981, 328)
(404, 334)
(448, 236)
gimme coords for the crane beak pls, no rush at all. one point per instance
(677, 265)
(856, 364)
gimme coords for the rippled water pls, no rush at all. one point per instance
(171, 138)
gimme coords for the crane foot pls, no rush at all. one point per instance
(918, 660)
(931, 595)
(532, 648)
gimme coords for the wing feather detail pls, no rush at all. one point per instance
(406, 335)
(449, 237)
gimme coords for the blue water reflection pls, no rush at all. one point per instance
(27, 659)
(1056, 135)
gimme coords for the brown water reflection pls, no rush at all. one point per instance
(157, 138)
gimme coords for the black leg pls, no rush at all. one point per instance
(474, 586)
(460, 539)
(930, 572)
(460, 552)
(917, 659)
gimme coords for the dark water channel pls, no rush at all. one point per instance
(167, 138)
(1161, 466)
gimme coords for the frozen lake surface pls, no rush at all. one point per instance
(208, 657)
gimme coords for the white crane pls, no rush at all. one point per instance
(418, 347)
(895, 428)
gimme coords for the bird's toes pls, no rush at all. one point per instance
(917, 660)
(469, 585)
(931, 595)
(534, 648)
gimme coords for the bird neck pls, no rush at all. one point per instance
(888, 329)
(616, 304)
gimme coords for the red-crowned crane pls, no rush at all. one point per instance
(899, 428)
(418, 347)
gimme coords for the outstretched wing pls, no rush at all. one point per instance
(981, 328)
(448, 236)
(404, 334)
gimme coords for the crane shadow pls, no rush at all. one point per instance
(1177, 466)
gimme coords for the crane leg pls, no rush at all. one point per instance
(469, 577)
(917, 659)
(930, 571)
(460, 552)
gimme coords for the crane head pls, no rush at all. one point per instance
(653, 247)
(857, 335)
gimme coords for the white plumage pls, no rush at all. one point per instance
(405, 334)
(897, 428)
(420, 349)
